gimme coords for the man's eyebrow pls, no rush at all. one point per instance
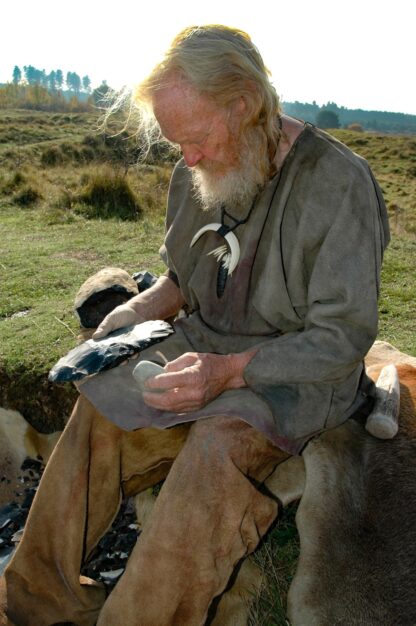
(171, 140)
(187, 140)
(199, 136)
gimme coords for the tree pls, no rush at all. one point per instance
(52, 80)
(30, 74)
(17, 75)
(73, 81)
(86, 83)
(103, 94)
(327, 119)
(331, 106)
(43, 78)
(68, 80)
(76, 81)
(59, 79)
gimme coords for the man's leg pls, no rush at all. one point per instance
(208, 515)
(77, 500)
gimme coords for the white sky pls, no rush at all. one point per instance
(357, 53)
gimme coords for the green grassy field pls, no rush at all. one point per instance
(72, 203)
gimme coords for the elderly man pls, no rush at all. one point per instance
(274, 240)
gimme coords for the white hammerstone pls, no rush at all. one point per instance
(145, 370)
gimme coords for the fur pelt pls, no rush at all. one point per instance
(357, 525)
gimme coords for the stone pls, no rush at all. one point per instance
(144, 280)
(101, 293)
(112, 574)
(94, 356)
(145, 370)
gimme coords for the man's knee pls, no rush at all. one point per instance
(228, 437)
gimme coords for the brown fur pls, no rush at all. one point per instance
(383, 352)
(18, 440)
(357, 525)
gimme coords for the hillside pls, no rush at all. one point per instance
(71, 203)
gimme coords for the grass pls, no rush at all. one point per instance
(277, 557)
(397, 321)
(43, 266)
(57, 176)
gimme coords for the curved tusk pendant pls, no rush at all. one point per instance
(214, 226)
(234, 251)
(231, 240)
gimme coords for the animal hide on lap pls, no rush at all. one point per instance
(357, 525)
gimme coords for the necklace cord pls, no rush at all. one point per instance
(237, 222)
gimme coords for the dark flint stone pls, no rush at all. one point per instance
(144, 280)
(92, 356)
(5, 556)
(110, 554)
(114, 548)
(32, 464)
(17, 511)
(9, 513)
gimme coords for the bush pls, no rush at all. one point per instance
(356, 127)
(65, 200)
(92, 140)
(27, 196)
(52, 156)
(107, 195)
(17, 179)
(12, 183)
(327, 119)
(87, 154)
(361, 141)
(70, 151)
(66, 152)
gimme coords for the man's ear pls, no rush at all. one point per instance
(240, 105)
(237, 109)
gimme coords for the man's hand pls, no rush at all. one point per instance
(162, 300)
(194, 379)
(123, 315)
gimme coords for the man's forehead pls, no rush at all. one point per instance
(182, 113)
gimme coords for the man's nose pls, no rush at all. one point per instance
(192, 155)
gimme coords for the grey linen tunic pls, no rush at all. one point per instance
(304, 293)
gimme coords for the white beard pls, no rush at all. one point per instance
(235, 189)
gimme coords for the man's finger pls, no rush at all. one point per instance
(183, 361)
(171, 380)
(102, 330)
(166, 400)
(175, 400)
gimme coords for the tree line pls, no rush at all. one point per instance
(38, 98)
(54, 80)
(330, 115)
(35, 89)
